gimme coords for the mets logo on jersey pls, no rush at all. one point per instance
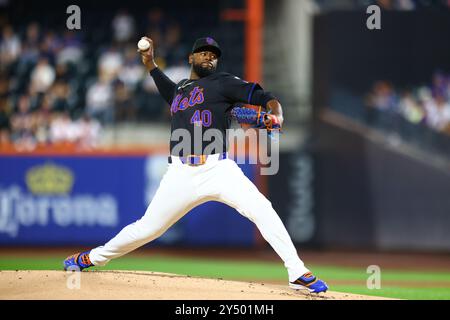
(195, 97)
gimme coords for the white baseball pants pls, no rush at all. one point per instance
(184, 187)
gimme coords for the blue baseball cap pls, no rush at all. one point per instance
(207, 44)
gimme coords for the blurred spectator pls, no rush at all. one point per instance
(444, 110)
(156, 21)
(110, 63)
(385, 4)
(172, 49)
(9, 47)
(383, 96)
(34, 97)
(4, 86)
(62, 129)
(58, 96)
(62, 73)
(72, 51)
(438, 113)
(30, 47)
(50, 46)
(125, 105)
(88, 133)
(439, 84)
(5, 126)
(99, 101)
(22, 126)
(123, 26)
(32, 35)
(42, 119)
(405, 5)
(132, 71)
(411, 109)
(155, 28)
(42, 76)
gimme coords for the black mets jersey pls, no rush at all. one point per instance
(200, 111)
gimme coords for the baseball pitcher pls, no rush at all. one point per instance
(198, 173)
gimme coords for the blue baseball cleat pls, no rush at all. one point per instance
(78, 262)
(309, 282)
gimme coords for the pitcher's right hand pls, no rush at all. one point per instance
(147, 56)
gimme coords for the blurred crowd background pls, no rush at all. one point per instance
(61, 86)
(395, 80)
(428, 104)
(56, 85)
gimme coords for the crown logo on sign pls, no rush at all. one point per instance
(49, 179)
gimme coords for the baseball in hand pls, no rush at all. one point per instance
(143, 45)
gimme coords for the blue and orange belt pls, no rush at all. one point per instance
(197, 160)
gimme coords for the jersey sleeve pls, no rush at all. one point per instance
(236, 90)
(166, 87)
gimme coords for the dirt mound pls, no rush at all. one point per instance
(113, 285)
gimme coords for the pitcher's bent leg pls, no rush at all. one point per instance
(247, 200)
(173, 199)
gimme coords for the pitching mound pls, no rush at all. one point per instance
(113, 285)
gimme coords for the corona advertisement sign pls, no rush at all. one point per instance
(88, 200)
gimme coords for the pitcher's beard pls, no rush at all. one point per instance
(203, 71)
